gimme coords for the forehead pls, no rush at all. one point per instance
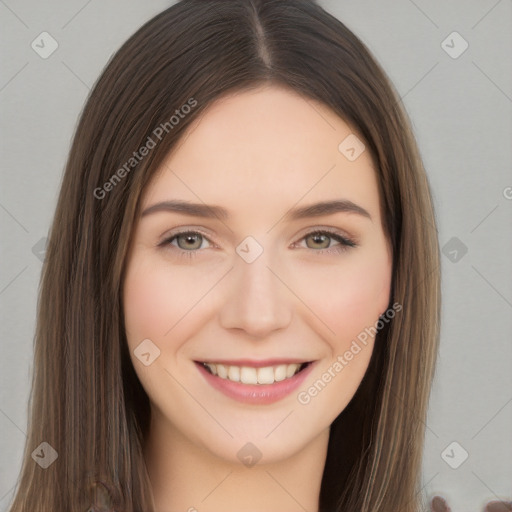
(267, 146)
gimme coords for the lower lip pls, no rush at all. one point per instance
(256, 394)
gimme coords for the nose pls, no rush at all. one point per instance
(256, 300)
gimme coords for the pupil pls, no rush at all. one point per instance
(319, 239)
(190, 240)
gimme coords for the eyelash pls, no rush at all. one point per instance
(345, 243)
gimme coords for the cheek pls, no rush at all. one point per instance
(350, 297)
(350, 304)
(152, 305)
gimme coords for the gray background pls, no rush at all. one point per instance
(460, 108)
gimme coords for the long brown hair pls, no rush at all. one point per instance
(86, 401)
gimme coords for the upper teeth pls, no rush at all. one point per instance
(251, 375)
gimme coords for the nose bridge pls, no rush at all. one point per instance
(256, 301)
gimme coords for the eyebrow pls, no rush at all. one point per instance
(303, 212)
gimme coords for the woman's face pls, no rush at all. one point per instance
(263, 288)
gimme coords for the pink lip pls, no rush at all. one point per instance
(255, 394)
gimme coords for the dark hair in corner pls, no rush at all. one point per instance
(86, 400)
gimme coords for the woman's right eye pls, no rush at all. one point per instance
(187, 243)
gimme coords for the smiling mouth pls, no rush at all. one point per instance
(255, 376)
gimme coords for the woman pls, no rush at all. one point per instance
(239, 305)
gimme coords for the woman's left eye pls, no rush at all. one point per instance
(188, 243)
(322, 239)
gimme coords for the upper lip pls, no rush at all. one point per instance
(261, 363)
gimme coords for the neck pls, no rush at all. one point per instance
(187, 477)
